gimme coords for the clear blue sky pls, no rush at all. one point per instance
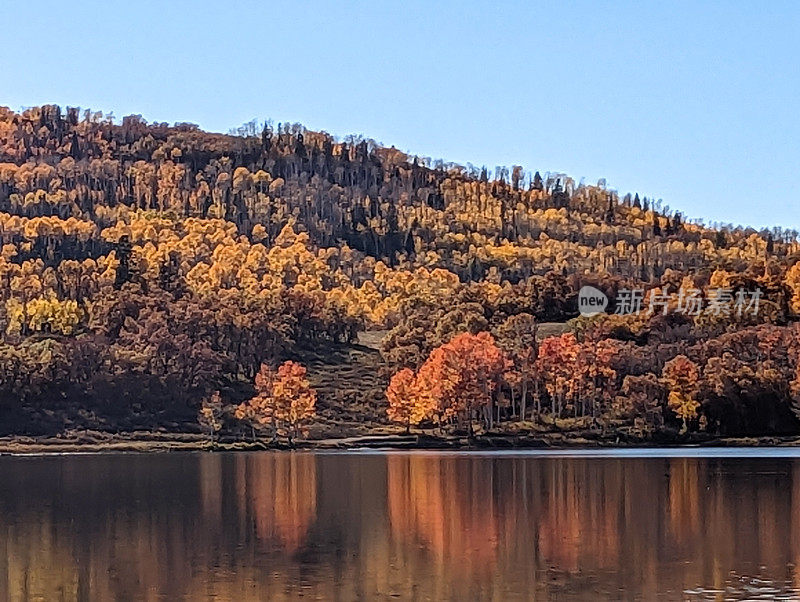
(697, 103)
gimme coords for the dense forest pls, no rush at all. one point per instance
(163, 277)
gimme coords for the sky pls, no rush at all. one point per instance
(696, 103)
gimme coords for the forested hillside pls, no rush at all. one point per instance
(150, 272)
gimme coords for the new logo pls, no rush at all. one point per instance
(591, 301)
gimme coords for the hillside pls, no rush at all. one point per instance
(145, 266)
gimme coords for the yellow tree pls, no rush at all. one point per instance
(210, 414)
(792, 281)
(681, 376)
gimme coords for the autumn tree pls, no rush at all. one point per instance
(641, 399)
(173, 262)
(792, 281)
(258, 411)
(516, 335)
(596, 375)
(284, 401)
(407, 404)
(210, 414)
(556, 363)
(461, 377)
(681, 378)
(293, 398)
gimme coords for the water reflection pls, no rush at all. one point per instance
(408, 526)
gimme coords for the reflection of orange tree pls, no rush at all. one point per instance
(445, 505)
(577, 501)
(280, 492)
(684, 499)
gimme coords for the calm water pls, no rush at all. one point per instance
(418, 526)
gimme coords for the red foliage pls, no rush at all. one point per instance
(460, 377)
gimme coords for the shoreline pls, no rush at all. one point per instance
(149, 442)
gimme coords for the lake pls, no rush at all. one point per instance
(635, 525)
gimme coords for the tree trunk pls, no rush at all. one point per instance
(522, 408)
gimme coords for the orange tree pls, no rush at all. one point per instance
(460, 378)
(284, 400)
(294, 400)
(557, 364)
(595, 376)
(406, 405)
(258, 410)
